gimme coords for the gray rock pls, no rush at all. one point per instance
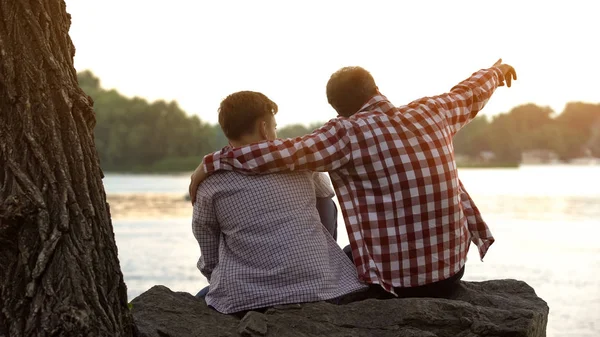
(253, 324)
(491, 308)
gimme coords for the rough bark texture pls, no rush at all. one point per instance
(499, 308)
(59, 272)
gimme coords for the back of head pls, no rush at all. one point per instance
(239, 112)
(349, 88)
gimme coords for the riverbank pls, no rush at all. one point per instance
(175, 165)
(180, 166)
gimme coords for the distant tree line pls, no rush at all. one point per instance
(134, 135)
(571, 134)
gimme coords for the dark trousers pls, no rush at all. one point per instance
(202, 293)
(439, 289)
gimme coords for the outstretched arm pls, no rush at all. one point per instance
(466, 99)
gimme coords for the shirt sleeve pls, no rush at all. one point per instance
(328, 215)
(326, 149)
(466, 99)
(207, 232)
(323, 186)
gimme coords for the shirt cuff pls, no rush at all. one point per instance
(499, 74)
(211, 162)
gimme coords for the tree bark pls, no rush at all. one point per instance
(59, 271)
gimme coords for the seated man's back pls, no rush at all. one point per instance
(263, 244)
(271, 246)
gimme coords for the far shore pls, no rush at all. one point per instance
(460, 166)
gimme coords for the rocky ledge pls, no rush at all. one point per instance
(491, 308)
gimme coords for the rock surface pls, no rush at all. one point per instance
(491, 308)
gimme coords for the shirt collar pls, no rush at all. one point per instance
(372, 101)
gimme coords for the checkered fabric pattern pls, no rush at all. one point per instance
(322, 184)
(408, 217)
(262, 242)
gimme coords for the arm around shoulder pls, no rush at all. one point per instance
(327, 148)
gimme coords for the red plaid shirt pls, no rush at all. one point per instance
(409, 219)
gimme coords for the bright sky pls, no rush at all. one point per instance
(198, 52)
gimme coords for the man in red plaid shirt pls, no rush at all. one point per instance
(409, 219)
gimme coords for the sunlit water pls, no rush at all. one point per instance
(546, 221)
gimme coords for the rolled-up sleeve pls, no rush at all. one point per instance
(325, 204)
(323, 186)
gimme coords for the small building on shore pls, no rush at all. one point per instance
(539, 156)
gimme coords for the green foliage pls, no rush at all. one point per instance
(472, 139)
(297, 130)
(573, 133)
(173, 165)
(133, 135)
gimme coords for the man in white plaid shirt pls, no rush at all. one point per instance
(409, 218)
(261, 239)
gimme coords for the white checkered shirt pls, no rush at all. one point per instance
(408, 217)
(262, 242)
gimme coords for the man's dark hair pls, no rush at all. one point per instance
(349, 88)
(239, 112)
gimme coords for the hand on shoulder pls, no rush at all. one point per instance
(196, 179)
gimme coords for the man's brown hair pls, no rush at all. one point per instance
(239, 112)
(349, 88)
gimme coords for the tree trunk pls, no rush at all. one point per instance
(59, 271)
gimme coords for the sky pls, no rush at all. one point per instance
(198, 52)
